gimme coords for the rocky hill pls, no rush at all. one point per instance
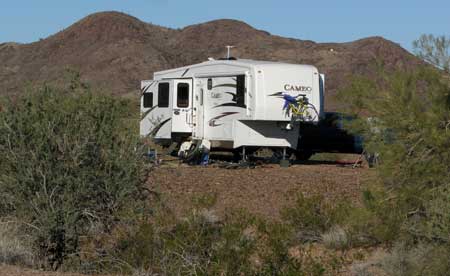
(114, 51)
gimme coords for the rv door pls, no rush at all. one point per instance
(200, 86)
(182, 106)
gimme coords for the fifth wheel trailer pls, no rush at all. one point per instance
(231, 104)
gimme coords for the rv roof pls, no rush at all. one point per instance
(251, 62)
(241, 62)
(255, 62)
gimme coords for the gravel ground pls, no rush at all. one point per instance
(7, 270)
(263, 190)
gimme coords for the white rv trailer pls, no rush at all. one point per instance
(229, 104)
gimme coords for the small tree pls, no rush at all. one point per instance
(69, 164)
(405, 117)
(435, 50)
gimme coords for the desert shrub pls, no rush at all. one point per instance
(376, 221)
(312, 216)
(340, 224)
(70, 163)
(336, 238)
(280, 254)
(420, 259)
(408, 126)
(201, 243)
(197, 244)
(15, 247)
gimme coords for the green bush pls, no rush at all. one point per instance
(420, 259)
(195, 245)
(69, 164)
(202, 244)
(280, 253)
(312, 216)
(405, 118)
(410, 115)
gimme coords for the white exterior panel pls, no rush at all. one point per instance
(216, 114)
(267, 133)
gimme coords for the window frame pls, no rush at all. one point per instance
(241, 91)
(163, 94)
(187, 86)
(210, 83)
(147, 95)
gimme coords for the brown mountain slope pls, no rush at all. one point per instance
(114, 51)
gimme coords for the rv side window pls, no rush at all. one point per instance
(210, 84)
(201, 96)
(183, 95)
(240, 91)
(163, 94)
(148, 100)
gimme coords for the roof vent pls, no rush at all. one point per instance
(229, 47)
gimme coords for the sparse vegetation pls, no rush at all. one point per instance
(419, 259)
(435, 50)
(15, 247)
(73, 194)
(336, 238)
(312, 216)
(69, 164)
(238, 244)
(408, 129)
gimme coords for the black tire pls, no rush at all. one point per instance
(193, 155)
(237, 157)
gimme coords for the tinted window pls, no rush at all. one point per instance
(163, 94)
(148, 100)
(240, 91)
(183, 95)
(210, 84)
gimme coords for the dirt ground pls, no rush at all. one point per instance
(263, 190)
(7, 270)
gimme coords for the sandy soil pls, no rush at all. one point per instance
(7, 270)
(264, 190)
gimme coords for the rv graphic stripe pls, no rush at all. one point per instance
(278, 94)
(226, 85)
(228, 104)
(158, 127)
(145, 88)
(147, 112)
(185, 72)
(212, 122)
(233, 102)
(233, 95)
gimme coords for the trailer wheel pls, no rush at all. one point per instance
(236, 156)
(193, 155)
